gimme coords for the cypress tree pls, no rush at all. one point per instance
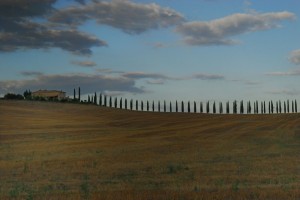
(153, 106)
(147, 105)
(182, 106)
(136, 105)
(292, 106)
(142, 105)
(272, 107)
(176, 106)
(288, 106)
(110, 102)
(201, 107)
(279, 106)
(214, 107)
(221, 108)
(158, 106)
(284, 107)
(89, 99)
(126, 104)
(189, 107)
(264, 107)
(100, 99)
(131, 104)
(207, 107)
(74, 97)
(250, 108)
(170, 106)
(165, 106)
(242, 107)
(79, 94)
(195, 107)
(296, 110)
(105, 101)
(269, 107)
(116, 102)
(227, 107)
(95, 99)
(121, 103)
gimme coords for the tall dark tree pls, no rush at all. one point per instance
(221, 108)
(284, 107)
(147, 105)
(264, 107)
(95, 98)
(207, 107)
(195, 107)
(121, 103)
(242, 107)
(269, 107)
(110, 102)
(131, 104)
(261, 107)
(272, 107)
(182, 106)
(234, 107)
(153, 106)
(105, 100)
(170, 107)
(279, 106)
(136, 105)
(74, 97)
(165, 106)
(126, 104)
(296, 109)
(89, 99)
(116, 102)
(214, 108)
(189, 107)
(201, 107)
(257, 107)
(176, 106)
(227, 107)
(288, 106)
(100, 99)
(142, 105)
(293, 107)
(79, 94)
(158, 106)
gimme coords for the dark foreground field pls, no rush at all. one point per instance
(69, 151)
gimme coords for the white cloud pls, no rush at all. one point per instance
(219, 31)
(295, 56)
(84, 63)
(130, 17)
(289, 73)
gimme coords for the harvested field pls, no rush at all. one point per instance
(71, 151)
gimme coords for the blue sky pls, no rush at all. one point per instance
(158, 50)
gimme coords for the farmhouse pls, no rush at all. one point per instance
(49, 94)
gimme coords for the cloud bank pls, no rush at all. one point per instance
(219, 31)
(130, 17)
(295, 57)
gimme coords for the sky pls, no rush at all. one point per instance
(197, 50)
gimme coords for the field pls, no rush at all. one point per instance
(71, 151)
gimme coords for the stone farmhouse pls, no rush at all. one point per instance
(49, 94)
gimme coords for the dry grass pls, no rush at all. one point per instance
(68, 151)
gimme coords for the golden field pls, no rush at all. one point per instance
(73, 151)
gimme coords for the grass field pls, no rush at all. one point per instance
(70, 151)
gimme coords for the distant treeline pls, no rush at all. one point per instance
(234, 107)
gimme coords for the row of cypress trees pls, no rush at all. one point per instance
(242, 108)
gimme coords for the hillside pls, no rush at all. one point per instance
(58, 151)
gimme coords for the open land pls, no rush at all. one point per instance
(73, 151)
